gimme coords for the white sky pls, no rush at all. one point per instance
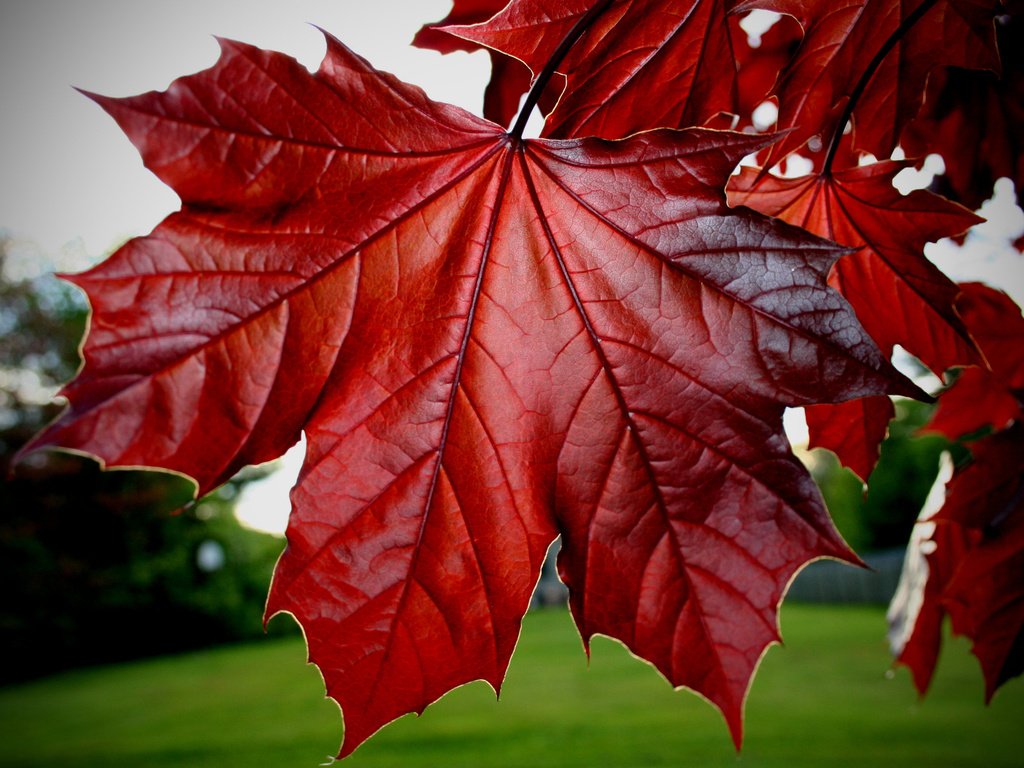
(72, 187)
(67, 174)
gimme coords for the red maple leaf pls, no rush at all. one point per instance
(639, 64)
(756, 66)
(976, 558)
(853, 430)
(510, 78)
(759, 67)
(975, 120)
(990, 396)
(487, 341)
(899, 296)
(975, 562)
(876, 53)
(915, 614)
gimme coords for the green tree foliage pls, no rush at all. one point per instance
(101, 566)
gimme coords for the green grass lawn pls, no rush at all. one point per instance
(823, 700)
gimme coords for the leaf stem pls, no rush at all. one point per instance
(549, 69)
(869, 72)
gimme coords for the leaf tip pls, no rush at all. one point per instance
(732, 711)
(736, 733)
(106, 103)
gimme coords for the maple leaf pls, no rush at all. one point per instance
(487, 341)
(899, 296)
(510, 78)
(877, 54)
(853, 430)
(759, 67)
(463, 12)
(976, 542)
(639, 64)
(975, 120)
(915, 613)
(974, 550)
(991, 396)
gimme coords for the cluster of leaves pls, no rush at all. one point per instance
(967, 558)
(490, 341)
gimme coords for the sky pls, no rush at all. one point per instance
(69, 175)
(72, 187)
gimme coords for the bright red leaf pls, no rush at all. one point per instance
(640, 64)
(463, 12)
(899, 296)
(488, 342)
(842, 39)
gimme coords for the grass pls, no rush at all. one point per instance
(823, 700)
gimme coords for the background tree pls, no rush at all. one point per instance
(101, 566)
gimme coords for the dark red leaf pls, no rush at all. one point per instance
(985, 604)
(978, 563)
(842, 39)
(487, 342)
(759, 67)
(975, 120)
(991, 396)
(985, 492)
(976, 566)
(985, 598)
(641, 64)
(916, 615)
